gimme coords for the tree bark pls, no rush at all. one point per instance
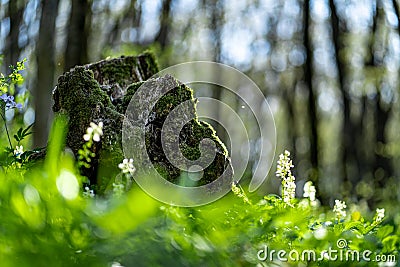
(382, 111)
(165, 24)
(381, 162)
(215, 27)
(312, 108)
(350, 170)
(15, 13)
(78, 31)
(45, 71)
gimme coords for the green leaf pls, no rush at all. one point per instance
(385, 231)
(25, 132)
(338, 228)
(17, 138)
(389, 243)
(19, 132)
(25, 135)
(354, 225)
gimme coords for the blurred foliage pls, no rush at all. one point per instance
(8, 82)
(46, 219)
(13, 156)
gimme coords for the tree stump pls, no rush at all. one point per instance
(102, 91)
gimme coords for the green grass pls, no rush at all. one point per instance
(46, 221)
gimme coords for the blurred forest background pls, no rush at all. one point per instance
(329, 70)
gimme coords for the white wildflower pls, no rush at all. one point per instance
(88, 193)
(97, 131)
(289, 190)
(126, 166)
(18, 150)
(88, 134)
(380, 214)
(288, 180)
(309, 191)
(339, 209)
(284, 165)
(94, 132)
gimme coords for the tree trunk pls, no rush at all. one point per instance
(215, 27)
(165, 24)
(45, 71)
(78, 31)
(382, 165)
(15, 13)
(312, 108)
(350, 170)
(129, 19)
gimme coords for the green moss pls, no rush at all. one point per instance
(93, 93)
(172, 99)
(189, 138)
(150, 65)
(162, 169)
(102, 91)
(81, 85)
(125, 70)
(190, 152)
(130, 91)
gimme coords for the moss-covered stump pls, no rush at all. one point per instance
(176, 142)
(103, 91)
(94, 93)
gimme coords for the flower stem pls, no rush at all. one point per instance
(8, 135)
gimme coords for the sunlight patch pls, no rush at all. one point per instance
(31, 195)
(67, 185)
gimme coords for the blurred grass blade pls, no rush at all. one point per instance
(56, 143)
